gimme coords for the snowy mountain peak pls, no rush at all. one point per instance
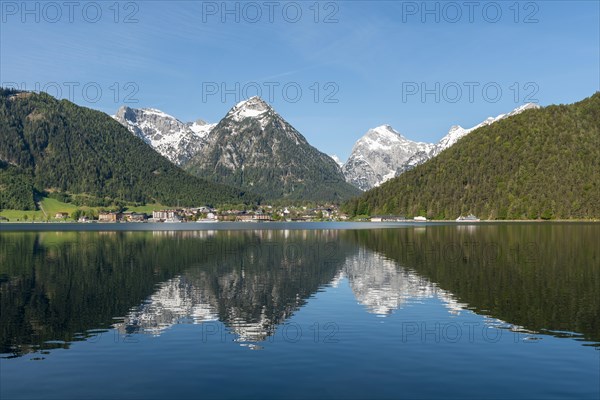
(376, 156)
(386, 131)
(157, 112)
(384, 128)
(178, 141)
(133, 113)
(380, 137)
(254, 148)
(253, 107)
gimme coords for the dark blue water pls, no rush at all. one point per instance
(508, 311)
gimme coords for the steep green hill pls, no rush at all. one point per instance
(50, 145)
(543, 163)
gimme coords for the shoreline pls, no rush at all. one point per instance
(271, 225)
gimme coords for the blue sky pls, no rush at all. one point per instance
(332, 69)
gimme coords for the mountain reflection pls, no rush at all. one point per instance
(252, 287)
(541, 277)
(253, 304)
(56, 288)
(176, 301)
(383, 286)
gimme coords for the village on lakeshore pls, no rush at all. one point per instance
(203, 214)
(266, 213)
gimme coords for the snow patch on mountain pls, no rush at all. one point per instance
(254, 148)
(377, 155)
(177, 141)
(456, 133)
(337, 160)
(251, 108)
(201, 128)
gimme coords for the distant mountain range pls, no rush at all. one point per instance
(252, 147)
(52, 147)
(383, 153)
(539, 163)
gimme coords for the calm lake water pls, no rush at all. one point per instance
(417, 311)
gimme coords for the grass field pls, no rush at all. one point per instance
(50, 207)
(22, 216)
(53, 206)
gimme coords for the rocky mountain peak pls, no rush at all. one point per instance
(376, 156)
(252, 107)
(176, 140)
(254, 148)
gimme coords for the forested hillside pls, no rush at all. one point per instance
(543, 163)
(54, 146)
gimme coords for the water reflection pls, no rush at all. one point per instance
(175, 301)
(381, 285)
(539, 277)
(245, 301)
(252, 287)
(56, 288)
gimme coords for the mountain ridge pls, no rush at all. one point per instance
(56, 146)
(176, 140)
(253, 147)
(455, 133)
(383, 153)
(541, 163)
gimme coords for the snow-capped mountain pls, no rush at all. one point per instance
(455, 133)
(337, 160)
(377, 155)
(178, 141)
(254, 148)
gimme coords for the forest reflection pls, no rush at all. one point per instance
(56, 288)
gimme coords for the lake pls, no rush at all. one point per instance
(506, 310)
